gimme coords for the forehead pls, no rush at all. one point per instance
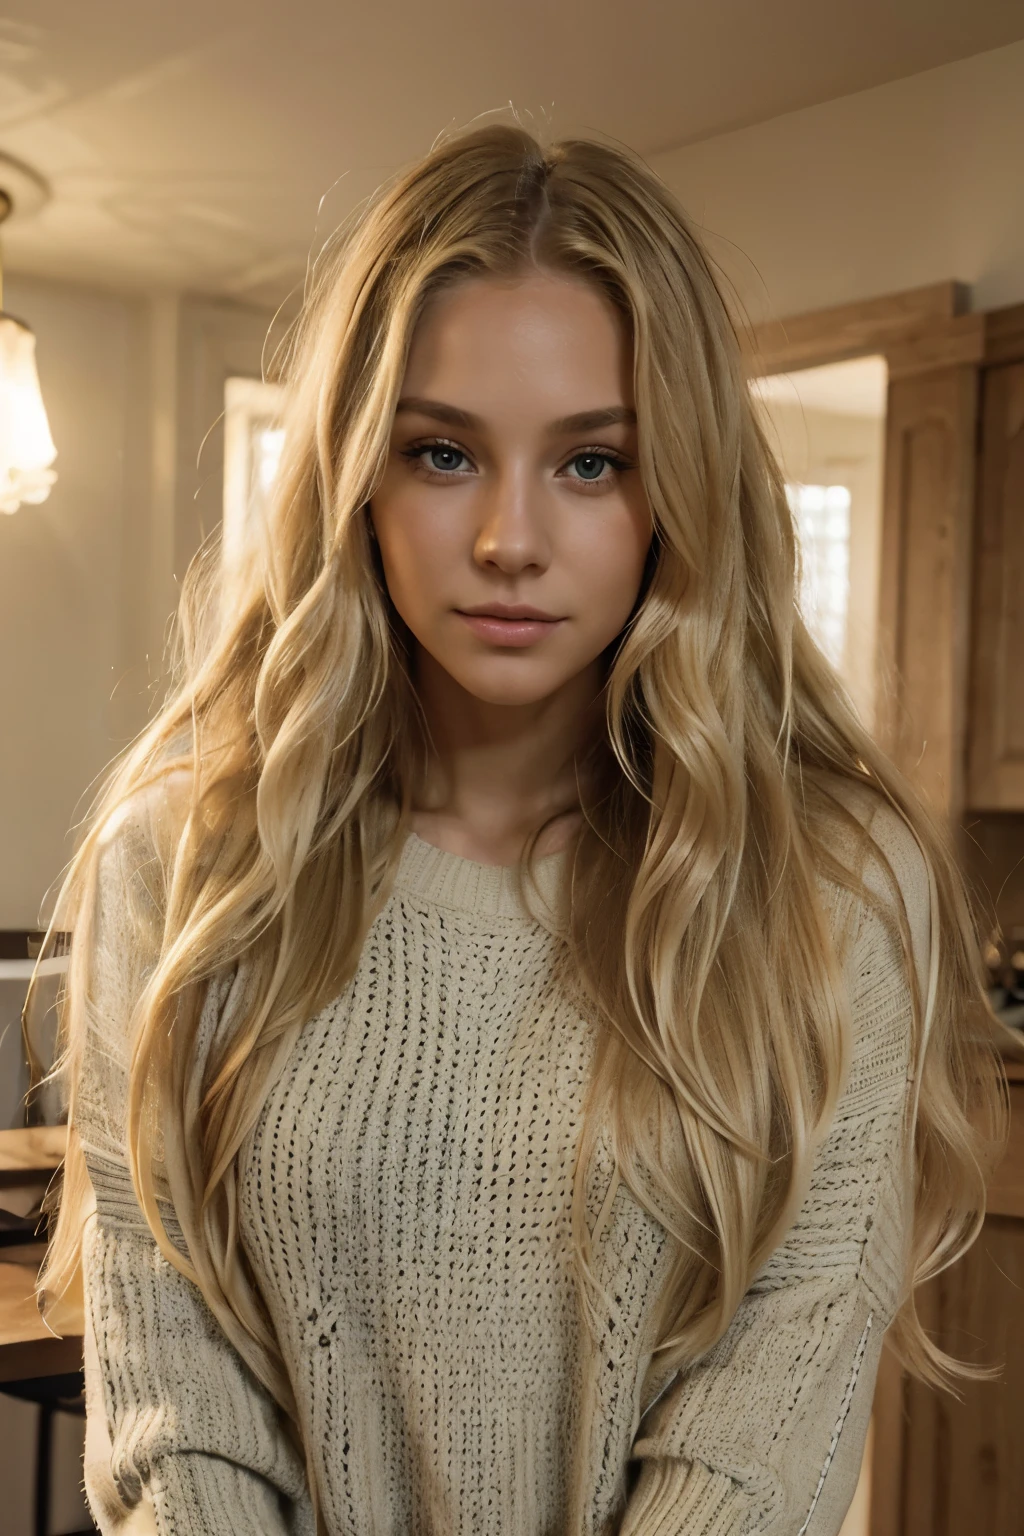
(491, 343)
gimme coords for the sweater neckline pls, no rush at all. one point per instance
(450, 880)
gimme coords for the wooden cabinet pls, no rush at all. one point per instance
(949, 1465)
(995, 761)
(924, 597)
(951, 613)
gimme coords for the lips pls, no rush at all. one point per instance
(505, 626)
(509, 611)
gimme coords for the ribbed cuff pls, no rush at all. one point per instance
(198, 1495)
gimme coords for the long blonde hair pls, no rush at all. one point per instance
(694, 905)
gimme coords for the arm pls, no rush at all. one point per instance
(766, 1433)
(175, 1420)
(181, 1438)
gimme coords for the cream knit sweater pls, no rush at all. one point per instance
(405, 1205)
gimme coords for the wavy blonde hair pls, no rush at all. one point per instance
(294, 721)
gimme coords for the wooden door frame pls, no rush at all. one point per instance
(892, 322)
(916, 330)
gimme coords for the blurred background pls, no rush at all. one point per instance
(170, 174)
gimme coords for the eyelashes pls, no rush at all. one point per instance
(416, 454)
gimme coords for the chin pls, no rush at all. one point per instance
(491, 688)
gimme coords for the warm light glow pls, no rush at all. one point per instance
(26, 447)
(253, 439)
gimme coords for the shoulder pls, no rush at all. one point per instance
(146, 824)
(890, 907)
(133, 854)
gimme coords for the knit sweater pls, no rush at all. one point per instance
(404, 1201)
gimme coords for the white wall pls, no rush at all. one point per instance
(906, 184)
(87, 580)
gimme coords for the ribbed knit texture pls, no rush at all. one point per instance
(405, 1203)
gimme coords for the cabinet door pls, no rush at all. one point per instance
(924, 594)
(946, 1465)
(962, 1468)
(995, 763)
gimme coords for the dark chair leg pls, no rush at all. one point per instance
(44, 1444)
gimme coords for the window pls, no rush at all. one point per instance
(826, 426)
(253, 438)
(822, 517)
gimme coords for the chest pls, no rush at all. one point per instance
(422, 1139)
(406, 1194)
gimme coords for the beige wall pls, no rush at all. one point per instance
(66, 575)
(906, 184)
(87, 580)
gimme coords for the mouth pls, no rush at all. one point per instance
(509, 625)
(508, 611)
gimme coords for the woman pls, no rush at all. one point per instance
(516, 1036)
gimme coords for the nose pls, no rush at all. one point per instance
(512, 535)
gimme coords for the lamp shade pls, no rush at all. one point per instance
(26, 447)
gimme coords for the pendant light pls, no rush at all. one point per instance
(27, 451)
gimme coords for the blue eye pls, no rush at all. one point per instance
(589, 465)
(441, 457)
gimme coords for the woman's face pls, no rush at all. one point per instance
(512, 482)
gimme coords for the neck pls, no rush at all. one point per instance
(496, 772)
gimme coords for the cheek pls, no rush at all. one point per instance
(607, 569)
(417, 554)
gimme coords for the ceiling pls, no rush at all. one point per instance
(211, 144)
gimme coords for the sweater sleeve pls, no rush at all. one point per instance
(181, 1438)
(765, 1434)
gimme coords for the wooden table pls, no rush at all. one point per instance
(38, 1149)
(28, 1346)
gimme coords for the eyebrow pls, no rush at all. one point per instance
(583, 421)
